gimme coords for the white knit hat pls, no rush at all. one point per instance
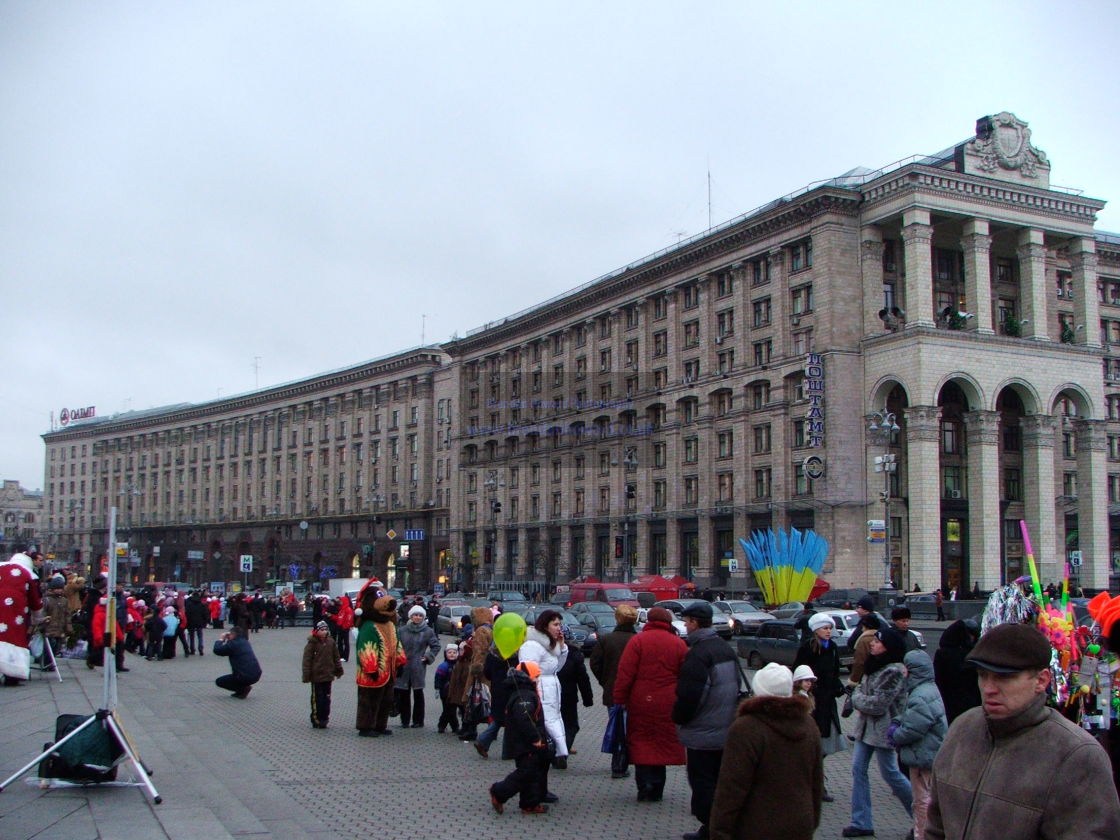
(773, 681)
(417, 610)
(819, 620)
(803, 672)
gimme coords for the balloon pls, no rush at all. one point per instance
(509, 633)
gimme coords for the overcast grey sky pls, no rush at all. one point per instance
(187, 185)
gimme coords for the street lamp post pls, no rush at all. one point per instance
(492, 483)
(629, 462)
(881, 429)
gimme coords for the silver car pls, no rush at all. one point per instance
(744, 616)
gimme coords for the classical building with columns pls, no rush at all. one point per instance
(909, 361)
(644, 421)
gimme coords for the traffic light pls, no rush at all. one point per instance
(631, 491)
(618, 546)
(496, 506)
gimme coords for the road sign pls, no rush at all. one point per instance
(1075, 558)
(391, 534)
(246, 562)
(733, 565)
(414, 534)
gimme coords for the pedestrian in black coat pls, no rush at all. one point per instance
(526, 742)
(959, 688)
(574, 684)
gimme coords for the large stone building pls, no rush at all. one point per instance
(956, 303)
(21, 517)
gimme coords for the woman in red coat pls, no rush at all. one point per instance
(647, 686)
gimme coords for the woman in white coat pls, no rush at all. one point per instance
(544, 644)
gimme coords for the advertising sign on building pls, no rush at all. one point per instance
(814, 390)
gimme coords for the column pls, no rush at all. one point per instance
(977, 246)
(564, 561)
(704, 547)
(779, 305)
(589, 547)
(871, 268)
(1086, 308)
(923, 473)
(742, 525)
(498, 570)
(917, 237)
(672, 547)
(984, 521)
(524, 565)
(1038, 492)
(1032, 284)
(642, 561)
(1092, 502)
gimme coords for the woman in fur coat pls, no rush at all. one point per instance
(544, 644)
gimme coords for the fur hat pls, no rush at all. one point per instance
(803, 672)
(892, 640)
(451, 648)
(660, 614)
(625, 615)
(1010, 648)
(819, 620)
(417, 610)
(773, 681)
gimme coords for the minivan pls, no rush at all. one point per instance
(615, 594)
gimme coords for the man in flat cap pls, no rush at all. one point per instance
(1015, 768)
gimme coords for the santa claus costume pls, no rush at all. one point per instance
(19, 598)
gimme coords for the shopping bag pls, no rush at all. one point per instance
(15, 661)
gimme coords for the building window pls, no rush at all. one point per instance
(659, 454)
(691, 491)
(604, 326)
(1012, 439)
(802, 484)
(691, 450)
(951, 438)
(798, 434)
(605, 360)
(689, 409)
(952, 482)
(1012, 485)
(801, 255)
(726, 443)
(631, 317)
(801, 300)
(1114, 447)
(631, 353)
(725, 323)
(1069, 447)
(802, 342)
(762, 481)
(726, 361)
(690, 296)
(660, 307)
(725, 284)
(760, 271)
(660, 378)
(760, 312)
(1113, 488)
(760, 395)
(723, 402)
(691, 370)
(558, 375)
(581, 367)
(659, 497)
(580, 334)
(1069, 484)
(763, 351)
(660, 343)
(762, 438)
(691, 334)
(725, 484)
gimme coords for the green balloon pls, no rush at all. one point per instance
(509, 633)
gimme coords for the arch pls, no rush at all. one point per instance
(884, 390)
(1078, 396)
(973, 392)
(1027, 394)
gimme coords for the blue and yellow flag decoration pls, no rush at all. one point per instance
(785, 566)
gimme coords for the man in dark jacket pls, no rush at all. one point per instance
(1007, 769)
(707, 698)
(198, 616)
(242, 661)
(605, 657)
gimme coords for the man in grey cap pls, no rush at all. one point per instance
(707, 699)
(1015, 768)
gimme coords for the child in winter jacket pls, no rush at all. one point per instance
(451, 712)
(527, 743)
(919, 731)
(321, 665)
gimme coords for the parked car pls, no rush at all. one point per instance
(449, 618)
(597, 607)
(599, 623)
(744, 616)
(678, 624)
(775, 641)
(720, 622)
(614, 594)
(791, 609)
(504, 595)
(844, 599)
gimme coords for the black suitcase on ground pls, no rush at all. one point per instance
(90, 757)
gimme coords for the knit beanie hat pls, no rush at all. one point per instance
(660, 614)
(892, 641)
(819, 620)
(773, 681)
(322, 625)
(417, 610)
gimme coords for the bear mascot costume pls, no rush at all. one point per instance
(379, 655)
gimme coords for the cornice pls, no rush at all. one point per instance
(916, 178)
(787, 215)
(421, 361)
